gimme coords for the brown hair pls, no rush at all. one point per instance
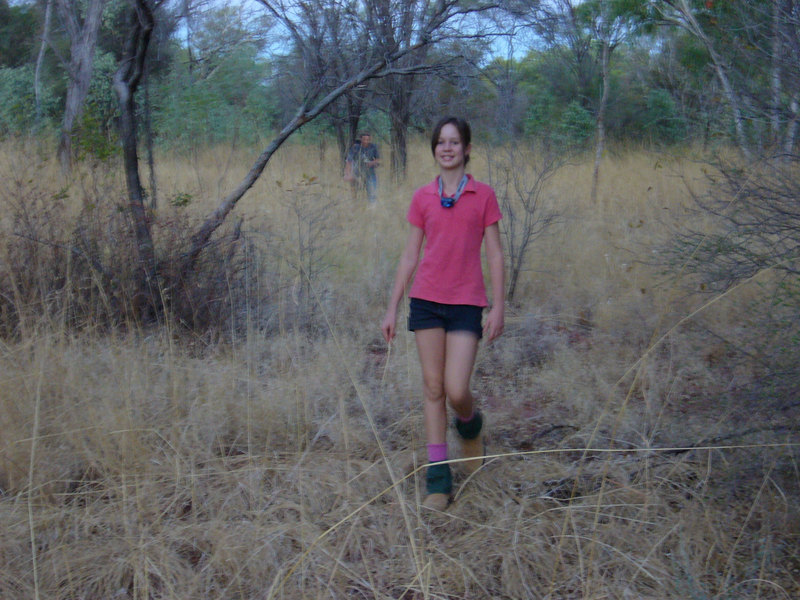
(463, 130)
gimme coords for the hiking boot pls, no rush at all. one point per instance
(472, 446)
(439, 486)
(438, 502)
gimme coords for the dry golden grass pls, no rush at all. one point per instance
(279, 463)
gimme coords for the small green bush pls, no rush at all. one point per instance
(662, 119)
(576, 127)
(98, 132)
(18, 102)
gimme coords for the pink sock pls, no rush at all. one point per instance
(469, 418)
(437, 452)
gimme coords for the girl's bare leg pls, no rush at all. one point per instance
(431, 344)
(460, 350)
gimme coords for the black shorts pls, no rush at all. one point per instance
(424, 314)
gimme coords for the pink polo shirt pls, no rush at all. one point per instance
(450, 270)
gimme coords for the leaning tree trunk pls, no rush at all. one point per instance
(83, 40)
(687, 21)
(126, 81)
(374, 69)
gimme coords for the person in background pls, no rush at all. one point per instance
(362, 158)
(453, 215)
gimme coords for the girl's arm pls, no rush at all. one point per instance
(494, 256)
(406, 268)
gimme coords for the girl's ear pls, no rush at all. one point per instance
(467, 149)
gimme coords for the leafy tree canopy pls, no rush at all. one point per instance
(19, 27)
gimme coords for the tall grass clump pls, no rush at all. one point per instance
(752, 243)
(260, 440)
(70, 256)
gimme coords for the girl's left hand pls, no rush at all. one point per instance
(388, 325)
(493, 327)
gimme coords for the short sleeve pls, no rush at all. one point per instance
(415, 216)
(491, 214)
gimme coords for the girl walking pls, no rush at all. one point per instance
(454, 215)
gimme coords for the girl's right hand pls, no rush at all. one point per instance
(389, 325)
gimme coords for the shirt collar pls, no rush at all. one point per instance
(433, 186)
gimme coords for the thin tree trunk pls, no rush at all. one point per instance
(790, 138)
(400, 116)
(341, 143)
(347, 129)
(148, 140)
(354, 111)
(83, 40)
(736, 111)
(37, 76)
(601, 121)
(399, 143)
(775, 110)
(187, 15)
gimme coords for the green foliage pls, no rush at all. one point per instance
(181, 199)
(19, 25)
(571, 127)
(691, 54)
(640, 110)
(539, 116)
(18, 102)
(223, 31)
(114, 27)
(662, 119)
(642, 106)
(230, 102)
(222, 88)
(576, 126)
(98, 134)
(613, 10)
(544, 108)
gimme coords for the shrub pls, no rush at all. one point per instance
(70, 257)
(576, 127)
(18, 102)
(748, 232)
(662, 119)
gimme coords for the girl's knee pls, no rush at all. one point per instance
(460, 397)
(433, 392)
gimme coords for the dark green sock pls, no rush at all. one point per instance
(439, 479)
(469, 430)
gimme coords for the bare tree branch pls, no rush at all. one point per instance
(379, 66)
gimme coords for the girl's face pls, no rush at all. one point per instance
(450, 152)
